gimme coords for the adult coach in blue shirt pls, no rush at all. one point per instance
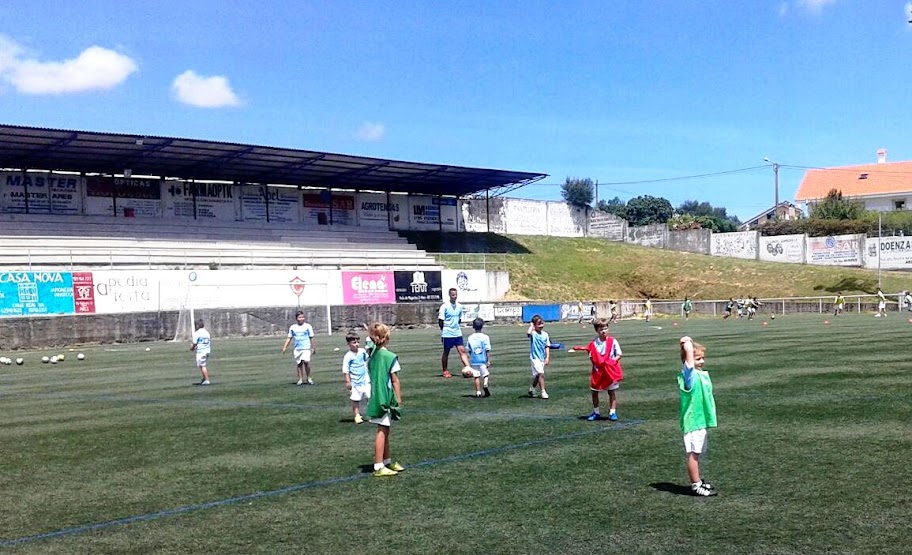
(449, 318)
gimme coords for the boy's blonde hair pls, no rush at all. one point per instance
(697, 349)
(600, 323)
(380, 333)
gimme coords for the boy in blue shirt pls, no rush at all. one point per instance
(449, 318)
(354, 370)
(480, 357)
(302, 334)
(539, 354)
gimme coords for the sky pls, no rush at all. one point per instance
(638, 96)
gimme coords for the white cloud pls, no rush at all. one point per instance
(814, 6)
(96, 68)
(204, 92)
(371, 131)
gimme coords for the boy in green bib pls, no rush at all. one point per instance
(698, 411)
(385, 399)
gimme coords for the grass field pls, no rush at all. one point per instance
(121, 454)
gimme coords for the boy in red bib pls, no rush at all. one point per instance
(605, 354)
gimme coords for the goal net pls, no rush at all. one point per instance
(259, 307)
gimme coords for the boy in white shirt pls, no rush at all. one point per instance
(202, 346)
(479, 347)
(354, 369)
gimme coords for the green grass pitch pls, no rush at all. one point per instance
(121, 454)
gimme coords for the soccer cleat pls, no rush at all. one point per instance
(593, 416)
(358, 419)
(204, 382)
(531, 392)
(478, 394)
(384, 471)
(300, 382)
(446, 374)
(310, 381)
(544, 394)
(613, 417)
(701, 490)
(396, 467)
(708, 486)
(487, 392)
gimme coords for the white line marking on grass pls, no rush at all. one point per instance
(300, 487)
(298, 406)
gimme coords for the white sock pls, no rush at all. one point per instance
(596, 410)
(378, 466)
(612, 411)
(387, 462)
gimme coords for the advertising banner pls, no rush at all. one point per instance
(83, 293)
(565, 220)
(368, 288)
(471, 285)
(317, 206)
(123, 197)
(282, 205)
(526, 217)
(47, 193)
(36, 293)
(212, 201)
(895, 253)
(418, 286)
(738, 244)
(472, 311)
(502, 311)
(609, 226)
(375, 211)
(835, 250)
(782, 248)
(432, 213)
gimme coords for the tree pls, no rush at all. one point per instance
(715, 218)
(646, 209)
(834, 207)
(615, 206)
(578, 192)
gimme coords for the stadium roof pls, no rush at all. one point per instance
(112, 153)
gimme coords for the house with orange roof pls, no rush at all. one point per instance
(884, 187)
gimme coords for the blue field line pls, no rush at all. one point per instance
(300, 487)
(298, 406)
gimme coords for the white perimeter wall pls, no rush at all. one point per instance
(740, 244)
(783, 248)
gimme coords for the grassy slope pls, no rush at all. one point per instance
(567, 268)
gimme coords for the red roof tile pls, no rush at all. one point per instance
(857, 181)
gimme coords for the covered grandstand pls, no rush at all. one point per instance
(89, 199)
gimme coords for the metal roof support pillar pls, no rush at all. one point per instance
(440, 213)
(488, 209)
(389, 217)
(193, 193)
(25, 191)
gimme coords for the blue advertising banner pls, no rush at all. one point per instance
(36, 293)
(548, 312)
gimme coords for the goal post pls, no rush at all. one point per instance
(252, 296)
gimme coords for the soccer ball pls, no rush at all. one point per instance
(467, 372)
(20, 361)
(772, 316)
(53, 360)
(2, 360)
(61, 357)
(81, 356)
(45, 359)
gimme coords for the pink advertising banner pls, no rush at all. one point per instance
(368, 288)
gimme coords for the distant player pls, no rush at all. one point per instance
(202, 346)
(729, 307)
(612, 312)
(539, 355)
(354, 370)
(302, 334)
(605, 355)
(579, 310)
(752, 305)
(838, 304)
(648, 305)
(697, 412)
(740, 305)
(480, 358)
(686, 307)
(908, 299)
(881, 303)
(448, 318)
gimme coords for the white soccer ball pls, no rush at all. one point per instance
(53, 360)
(81, 356)
(467, 372)
(2, 360)
(45, 359)
(61, 357)
(20, 361)
(7, 361)
(772, 316)
(148, 349)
